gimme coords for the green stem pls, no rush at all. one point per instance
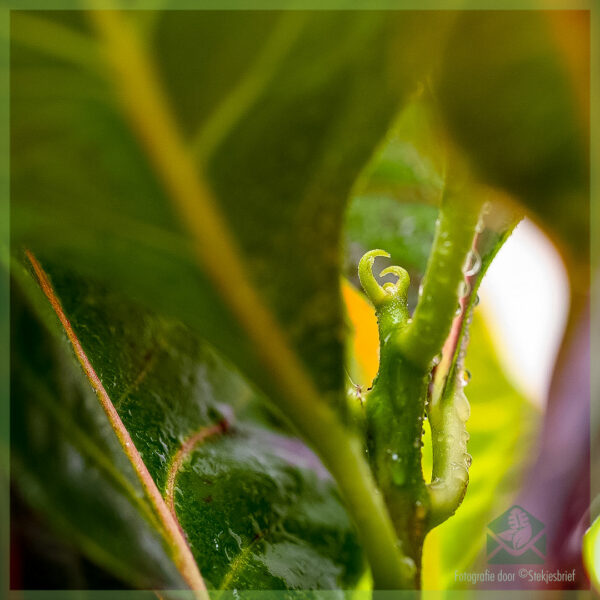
(423, 339)
(449, 408)
(394, 416)
(451, 461)
(395, 407)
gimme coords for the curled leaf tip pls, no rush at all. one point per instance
(378, 294)
(401, 286)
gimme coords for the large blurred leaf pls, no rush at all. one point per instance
(521, 113)
(306, 120)
(252, 502)
(411, 165)
(273, 116)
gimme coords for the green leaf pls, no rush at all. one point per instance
(252, 502)
(84, 191)
(516, 100)
(66, 461)
(411, 165)
(591, 552)
(208, 182)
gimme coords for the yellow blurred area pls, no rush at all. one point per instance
(365, 337)
(591, 553)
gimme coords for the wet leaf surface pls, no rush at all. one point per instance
(257, 507)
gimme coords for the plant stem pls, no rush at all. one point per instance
(395, 407)
(424, 337)
(449, 407)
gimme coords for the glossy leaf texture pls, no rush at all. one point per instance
(257, 507)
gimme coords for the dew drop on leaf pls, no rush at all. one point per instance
(464, 289)
(463, 408)
(465, 377)
(473, 264)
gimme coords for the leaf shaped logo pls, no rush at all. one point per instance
(519, 532)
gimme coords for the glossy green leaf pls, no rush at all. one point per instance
(65, 460)
(258, 509)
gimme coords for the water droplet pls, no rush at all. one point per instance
(464, 289)
(421, 285)
(436, 360)
(476, 302)
(408, 564)
(458, 310)
(459, 471)
(465, 377)
(473, 263)
(394, 456)
(463, 409)
(468, 460)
